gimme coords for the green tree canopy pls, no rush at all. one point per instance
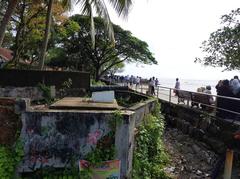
(77, 47)
(222, 49)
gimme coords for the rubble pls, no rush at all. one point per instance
(189, 159)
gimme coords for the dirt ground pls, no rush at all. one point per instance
(189, 159)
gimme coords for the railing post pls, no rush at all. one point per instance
(228, 164)
(141, 88)
(188, 100)
(170, 95)
(157, 91)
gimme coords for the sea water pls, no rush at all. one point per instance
(189, 84)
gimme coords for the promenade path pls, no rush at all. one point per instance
(160, 92)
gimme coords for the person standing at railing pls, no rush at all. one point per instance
(235, 85)
(218, 86)
(224, 103)
(137, 82)
(156, 82)
(208, 91)
(152, 84)
(177, 86)
(126, 79)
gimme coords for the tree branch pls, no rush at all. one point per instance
(14, 20)
(109, 58)
(113, 64)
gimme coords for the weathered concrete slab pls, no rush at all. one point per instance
(83, 103)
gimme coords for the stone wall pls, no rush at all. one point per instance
(10, 122)
(23, 78)
(125, 134)
(33, 93)
(52, 137)
(216, 133)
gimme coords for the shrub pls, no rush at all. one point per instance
(149, 155)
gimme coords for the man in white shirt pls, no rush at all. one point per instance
(235, 85)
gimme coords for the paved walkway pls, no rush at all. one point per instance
(160, 93)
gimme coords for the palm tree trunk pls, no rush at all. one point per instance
(46, 35)
(10, 9)
(19, 33)
(97, 71)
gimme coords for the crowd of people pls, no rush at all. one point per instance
(225, 88)
(226, 107)
(152, 83)
(127, 80)
(228, 88)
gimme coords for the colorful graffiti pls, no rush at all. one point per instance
(94, 137)
(53, 140)
(105, 170)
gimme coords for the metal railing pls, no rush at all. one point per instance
(168, 94)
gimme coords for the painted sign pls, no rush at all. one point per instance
(105, 170)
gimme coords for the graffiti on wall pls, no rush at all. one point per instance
(53, 140)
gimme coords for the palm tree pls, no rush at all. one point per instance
(46, 34)
(6, 18)
(87, 8)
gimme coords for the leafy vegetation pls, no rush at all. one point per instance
(46, 93)
(126, 101)
(64, 87)
(9, 159)
(71, 43)
(149, 155)
(22, 18)
(105, 149)
(105, 57)
(70, 172)
(97, 83)
(222, 49)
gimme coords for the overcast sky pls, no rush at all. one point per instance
(174, 31)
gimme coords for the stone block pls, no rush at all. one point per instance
(194, 121)
(198, 133)
(190, 131)
(22, 105)
(217, 145)
(226, 136)
(213, 130)
(204, 124)
(7, 101)
(34, 93)
(179, 123)
(9, 124)
(172, 121)
(185, 127)
(103, 96)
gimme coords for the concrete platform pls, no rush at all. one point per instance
(83, 103)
